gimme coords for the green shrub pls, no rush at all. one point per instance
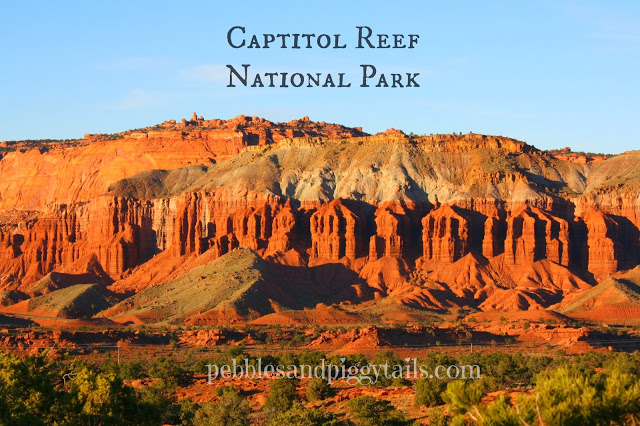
(101, 398)
(282, 395)
(370, 411)
(463, 397)
(29, 395)
(437, 417)
(170, 371)
(299, 415)
(231, 410)
(312, 358)
(318, 389)
(221, 390)
(563, 396)
(158, 404)
(429, 392)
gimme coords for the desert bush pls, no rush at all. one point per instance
(102, 398)
(299, 415)
(312, 358)
(29, 395)
(429, 392)
(221, 390)
(437, 417)
(38, 391)
(563, 395)
(318, 389)
(463, 397)
(282, 395)
(169, 370)
(231, 410)
(158, 404)
(386, 357)
(370, 411)
(126, 370)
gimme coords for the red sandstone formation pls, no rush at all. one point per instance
(578, 157)
(533, 235)
(604, 250)
(429, 222)
(445, 235)
(78, 172)
(393, 232)
(336, 233)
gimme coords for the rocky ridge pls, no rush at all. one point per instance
(427, 221)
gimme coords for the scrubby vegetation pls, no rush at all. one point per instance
(373, 412)
(514, 389)
(562, 396)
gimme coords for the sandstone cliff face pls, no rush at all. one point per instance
(445, 235)
(394, 236)
(493, 241)
(76, 172)
(222, 222)
(604, 249)
(534, 235)
(612, 219)
(123, 233)
(470, 216)
(283, 231)
(336, 233)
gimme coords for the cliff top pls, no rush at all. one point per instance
(300, 159)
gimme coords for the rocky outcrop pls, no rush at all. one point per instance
(283, 236)
(393, 232)
(621, 215)
(604, 249)
(221, 222)
(445, 235)
(493, 241)
(533, 235)
(68, 173)
(467, 215)
(34, 248)
(123, 233)
(336, 233)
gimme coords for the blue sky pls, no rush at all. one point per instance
(551, 73)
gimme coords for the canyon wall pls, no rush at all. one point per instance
(73, 172)
(123, 233)
(386, 207)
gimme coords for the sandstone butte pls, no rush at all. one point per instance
(429, 222)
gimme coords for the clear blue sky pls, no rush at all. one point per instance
(552, 73)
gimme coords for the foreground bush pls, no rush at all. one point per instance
(282, 395)
(231, 410)
(429, 391)
(38, 391)
(563, 396)
(318, 389)
(370, 411)
(171, 372)
(298, 415)
(30, 394)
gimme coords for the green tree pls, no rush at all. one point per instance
(231, 410)
(318, 389)
(170, 371)
(102, 398)
(464, 397)
(437, 417)
(429, 391)
(158, 404)
(282, 394)
(370, 411)
(563, 396)
(298, 415)
(32, 391)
